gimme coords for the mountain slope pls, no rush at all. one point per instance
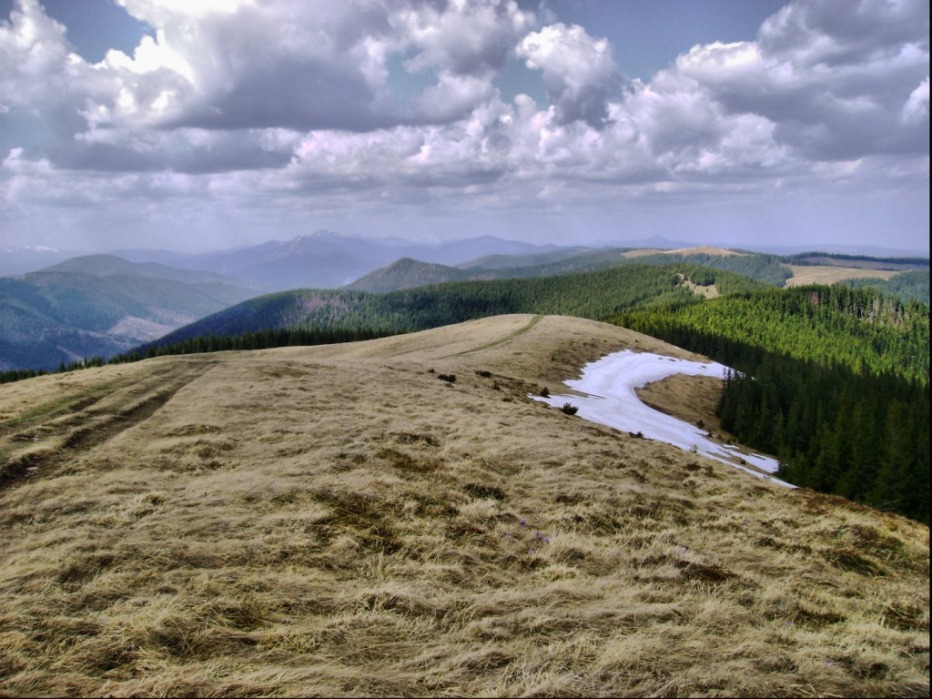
(589, 295)
(329, 260)
(906, 277)
(114, 266)
(98, 306)
(338, 520)
(407, 273)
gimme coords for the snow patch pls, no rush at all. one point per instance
(610, 399)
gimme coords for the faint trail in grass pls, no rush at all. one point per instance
(89, 420)
(60, 408)
(501, 341)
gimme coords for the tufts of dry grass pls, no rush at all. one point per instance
(339, 521)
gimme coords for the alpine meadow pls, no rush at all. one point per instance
(464, 348)
(210, 515)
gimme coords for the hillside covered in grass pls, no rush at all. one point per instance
(837, 378)
(339, 521)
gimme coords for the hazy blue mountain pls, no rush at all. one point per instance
(328, 260)
(99, 305)
(20, 260)
(112, 266)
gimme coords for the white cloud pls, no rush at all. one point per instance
(466, 38)
(292, 108)
(833, 83)
(33, 50)
(916, 109)
(579, 72)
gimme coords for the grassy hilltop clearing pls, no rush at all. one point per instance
(350, 520)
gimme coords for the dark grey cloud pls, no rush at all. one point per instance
(303, 96)
(823, 32)
(214, 154)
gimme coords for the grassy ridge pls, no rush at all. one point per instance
(336, 521)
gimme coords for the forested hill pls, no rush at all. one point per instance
(856, 328)
(594, 295)
(99, 306)
(832, 380)
(910, 286)
(408, 273)
(858, 261)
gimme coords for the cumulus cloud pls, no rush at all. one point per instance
(312, 104)
(465, 38)
(578, 70)
(33, 50)
(319, 65)
(834, 83)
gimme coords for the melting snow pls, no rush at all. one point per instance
(609, 385)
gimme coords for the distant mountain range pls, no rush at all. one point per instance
(100, 305)
(328, 260)
(20, 260)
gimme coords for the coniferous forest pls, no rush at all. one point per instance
(831, 380)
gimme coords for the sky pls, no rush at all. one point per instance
(203, 125)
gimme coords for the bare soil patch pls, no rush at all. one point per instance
(705, 250)
(690, 398)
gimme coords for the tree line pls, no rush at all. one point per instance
(834, 381)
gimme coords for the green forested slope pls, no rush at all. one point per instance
(909, 286)
(588, 295)
(824, 324)
(408, 273)
(832, 380)
(762, 267)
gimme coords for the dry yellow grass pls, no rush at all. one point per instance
(340, 521)
(699, 250)
(824, 274)
(706, 250)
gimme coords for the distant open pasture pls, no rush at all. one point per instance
(824, 274)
